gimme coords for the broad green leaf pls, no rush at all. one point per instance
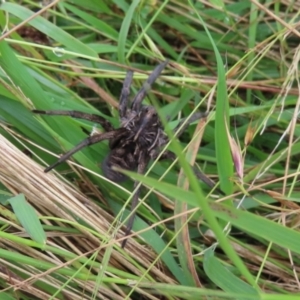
(223, 278)
(28, 218)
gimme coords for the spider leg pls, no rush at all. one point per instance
(93, 139)
(77, 115)
(136, 103)
(146, 121)
(166, 155)
(187, 121)
(125, 94)
(141, 170)
(199, 174)
(178, 131)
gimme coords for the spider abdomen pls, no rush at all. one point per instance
(122, 157)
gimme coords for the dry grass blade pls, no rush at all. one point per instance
(184, 235)
(21, 174)
(64, 57)
(52, 197)
(89, 82)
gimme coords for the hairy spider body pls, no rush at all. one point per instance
(145, 135)
(139, 139)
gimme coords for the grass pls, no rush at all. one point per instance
(61, 231)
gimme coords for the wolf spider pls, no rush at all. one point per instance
(139, 139)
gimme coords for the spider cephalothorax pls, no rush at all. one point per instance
(139, 139)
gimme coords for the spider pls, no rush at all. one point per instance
(139, 139)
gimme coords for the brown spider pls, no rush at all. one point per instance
(139, 139)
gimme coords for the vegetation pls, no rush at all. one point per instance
(61, 231)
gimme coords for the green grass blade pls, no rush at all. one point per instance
(22, 79)
(125, 29)
(105, 29)
(260, 227)
(48, 28)
(223, 154)
(153, 239)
